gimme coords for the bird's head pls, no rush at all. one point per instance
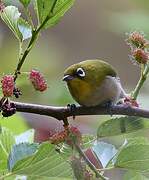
(89, 71)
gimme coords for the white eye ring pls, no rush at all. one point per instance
(80, 72)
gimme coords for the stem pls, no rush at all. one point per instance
(31, 43)
(28, 15)
(30, 46)
(23, 57)
(106, 169)
(5, 176)
(20, 48)
(144, 73)
(92, 167)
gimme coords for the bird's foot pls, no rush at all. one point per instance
(108, 105)
(72, 108)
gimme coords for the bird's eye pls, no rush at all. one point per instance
(80, 72)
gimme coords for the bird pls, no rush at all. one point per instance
(94, 82)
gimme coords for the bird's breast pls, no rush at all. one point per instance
(80, 90)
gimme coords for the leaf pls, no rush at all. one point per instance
(88, 141)
(20, 151)
(60, 9)
(131, 175)
(6, 141)
(78, 168)
(65, 151)
(104, 152)
(134, 155)
(44, 163)
(25, 2)
(44, 7)
(136, 141)
(25, 29)
(11, 16)
(27, 136)
(122, 125)
(11, 122)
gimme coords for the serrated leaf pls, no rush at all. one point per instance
(27, 136)
(62, 6)
(65, 151)
(134, 155)
(25, 2)
(104, 152)
(44, 7)
(25, 29)
(136, 141)
(6, 141)
(11, 122)
(131, 175)
(11, 16)
(88, 140)
(78, 168)
(45, 163)
(20, 151)
(122, 125)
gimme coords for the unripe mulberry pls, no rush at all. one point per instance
(140, 56)
(38, 80)
(7, 85)
(137, 40)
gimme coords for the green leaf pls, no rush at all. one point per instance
(6, 141)
(134, 155)
(131, 175)
(20, 151)
(104, 152)
(88, 140)
(11, 122)
(65, 151)
(122, 125)
(45, 163)
(136, 141)
(25, 29)
(11, 16)
(78, 168)
(44, 8)
(25, 2)
(27, 136)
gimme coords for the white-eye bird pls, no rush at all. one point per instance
(93, 82)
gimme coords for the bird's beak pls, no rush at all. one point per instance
(68, 77)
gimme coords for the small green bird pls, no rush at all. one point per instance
(93, 82)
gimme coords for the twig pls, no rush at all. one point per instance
(61, 113)
(31, 43)
(92, 167)
(140, 83)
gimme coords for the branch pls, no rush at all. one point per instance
(61, 113)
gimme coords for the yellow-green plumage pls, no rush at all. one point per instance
(94, 87)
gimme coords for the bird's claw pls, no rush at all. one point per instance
(108, 105)
(72, 109)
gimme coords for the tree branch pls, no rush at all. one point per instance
(61, 113)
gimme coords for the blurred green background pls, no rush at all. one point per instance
(91, 29)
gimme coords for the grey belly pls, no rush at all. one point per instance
(109, 90)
